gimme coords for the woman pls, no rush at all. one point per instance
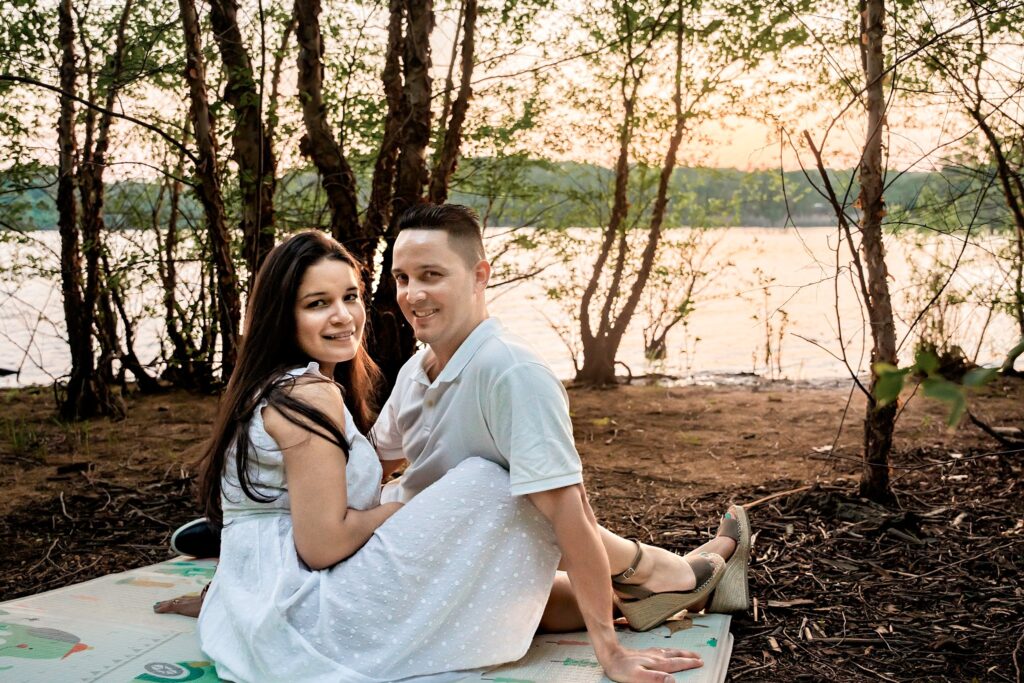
(317, 580)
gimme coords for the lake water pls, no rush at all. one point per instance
(779, 291)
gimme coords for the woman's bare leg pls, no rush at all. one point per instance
(659, 570)
(562, 613)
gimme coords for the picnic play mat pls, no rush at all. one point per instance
(105, 630)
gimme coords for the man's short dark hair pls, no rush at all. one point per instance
(460, 222)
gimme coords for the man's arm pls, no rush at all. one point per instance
(386, 438)
(584, 558)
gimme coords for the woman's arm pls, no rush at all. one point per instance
(326, 530)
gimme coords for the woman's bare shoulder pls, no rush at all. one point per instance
(316, 392)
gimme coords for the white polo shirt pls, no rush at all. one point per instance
(495, 399)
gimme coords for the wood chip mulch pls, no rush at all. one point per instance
(845, 590)
(92, 528)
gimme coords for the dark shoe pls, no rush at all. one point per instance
(646, 609)
(733, 592)
(198, 538)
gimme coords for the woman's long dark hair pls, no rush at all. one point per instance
(268, 350)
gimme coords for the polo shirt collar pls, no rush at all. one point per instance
(490, 327)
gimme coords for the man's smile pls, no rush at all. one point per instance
(424, 313)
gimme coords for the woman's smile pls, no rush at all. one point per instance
(329, 314)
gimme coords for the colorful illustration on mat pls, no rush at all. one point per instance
(583, 663)
(185, 568)
(145, 583)
(163, 672)
(33, 642)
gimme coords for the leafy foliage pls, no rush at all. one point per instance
(890, 382)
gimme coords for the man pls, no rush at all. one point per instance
(475, 390)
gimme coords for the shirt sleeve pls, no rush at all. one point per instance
(385, 434)
(528, 416)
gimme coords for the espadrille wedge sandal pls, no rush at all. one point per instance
(645, 609)
(733, 592)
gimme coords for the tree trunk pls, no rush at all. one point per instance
(185, 365)
(411, 175)
(167, 269)
(394, 342)
(448, 158)
(319, 144)
(597, 368)
(91, 171)
(80, 400)
(253, 151)
(879, 423)
(378, 211)
(601, 346)
(412, 166)
(654, 231)
(275, 80)
(114, 295)
(1013, 194)
(209, 191)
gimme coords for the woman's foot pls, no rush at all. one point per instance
(733, 592)
(645, 609)
(186, 605)
(725, 540)
(659, 571)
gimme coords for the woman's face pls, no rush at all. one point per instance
(329, 314)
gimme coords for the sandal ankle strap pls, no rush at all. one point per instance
(629, 571)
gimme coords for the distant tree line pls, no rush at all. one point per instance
(700, 197)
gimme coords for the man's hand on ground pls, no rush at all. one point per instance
(652, 665)
(587, 564)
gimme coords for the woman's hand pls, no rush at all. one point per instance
(653, 665)
(388, 509)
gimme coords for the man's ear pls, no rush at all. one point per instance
(481, 274)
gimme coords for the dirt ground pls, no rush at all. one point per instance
(684, 440)
(660, 463)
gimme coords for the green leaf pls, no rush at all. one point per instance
(979, 377)
(943, 390)
(889, 383)
(926, 361)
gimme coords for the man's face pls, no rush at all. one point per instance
(440, 295)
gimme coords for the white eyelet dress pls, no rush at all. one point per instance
(455, 580)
